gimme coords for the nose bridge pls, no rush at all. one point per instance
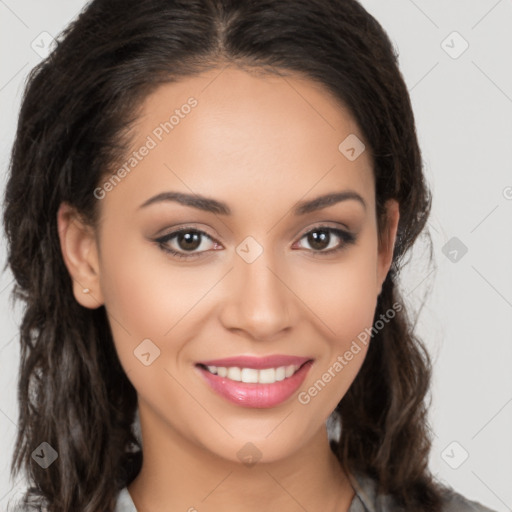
(259, 301)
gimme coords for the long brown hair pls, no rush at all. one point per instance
(73, 127)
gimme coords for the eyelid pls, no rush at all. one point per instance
(325, 224)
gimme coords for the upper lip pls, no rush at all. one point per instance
(271, 361)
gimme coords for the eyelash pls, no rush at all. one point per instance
(346, 237)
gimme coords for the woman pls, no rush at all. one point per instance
(208, 207)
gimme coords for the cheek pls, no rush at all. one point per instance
(343, 296)
(141, 299)
(342, 293)
(345, 300)
(143, 289)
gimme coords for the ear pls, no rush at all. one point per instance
(80, 254)
(387, 242)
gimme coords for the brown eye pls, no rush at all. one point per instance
(320, 238)
(186, 240)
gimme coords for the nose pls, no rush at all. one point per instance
(259, 300)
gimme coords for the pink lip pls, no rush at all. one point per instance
(257, 363)
(253, 394)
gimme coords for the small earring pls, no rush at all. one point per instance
(86, 290)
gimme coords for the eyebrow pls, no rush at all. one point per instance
(212, 205)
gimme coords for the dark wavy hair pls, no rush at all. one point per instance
(74, 126)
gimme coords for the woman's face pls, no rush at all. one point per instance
(261, 279)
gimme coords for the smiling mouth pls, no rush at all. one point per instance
(255, 387)
(253, 375)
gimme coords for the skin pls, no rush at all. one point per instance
(259, 143)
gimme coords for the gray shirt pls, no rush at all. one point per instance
(365, 500)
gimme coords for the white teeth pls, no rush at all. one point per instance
(290, 370)
(234, 373)
(267, 376)
(280, 373)
(251, 375)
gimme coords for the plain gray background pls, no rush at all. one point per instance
(456, 59)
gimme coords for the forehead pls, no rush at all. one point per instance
(246, 135)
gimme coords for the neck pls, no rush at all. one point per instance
(177, 474)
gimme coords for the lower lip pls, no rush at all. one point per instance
(256, 395)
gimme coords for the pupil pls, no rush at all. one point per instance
(192, 240)
(317, 239)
